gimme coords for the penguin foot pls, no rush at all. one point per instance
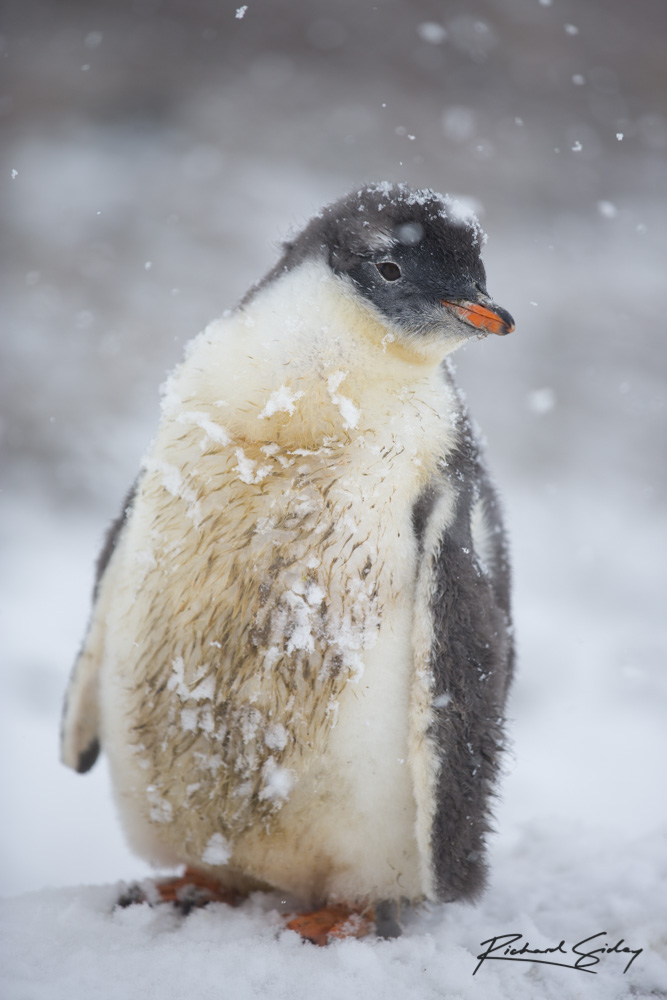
(188, 891)
(331, 923)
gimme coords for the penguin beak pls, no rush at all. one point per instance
(486, 317)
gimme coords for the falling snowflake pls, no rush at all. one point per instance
(541, 401)
(607, 209)
(432, 32)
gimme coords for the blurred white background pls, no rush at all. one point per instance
(155, 151)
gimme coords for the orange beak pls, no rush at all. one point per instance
(494, 320)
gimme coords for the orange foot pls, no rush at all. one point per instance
(187, 891)
(332, 922)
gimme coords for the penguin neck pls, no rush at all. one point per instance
(316, 315)
(305, 361)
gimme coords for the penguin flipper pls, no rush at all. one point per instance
(80, 740)
(463, 605)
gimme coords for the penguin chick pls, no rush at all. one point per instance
(300, 645)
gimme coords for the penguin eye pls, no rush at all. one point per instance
(389, 270)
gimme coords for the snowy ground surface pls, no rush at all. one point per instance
(152, 154)
(69, 942)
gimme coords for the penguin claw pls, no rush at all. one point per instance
(133, 894)
(387, 924)
(331, 923)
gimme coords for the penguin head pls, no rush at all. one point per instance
(410, 258)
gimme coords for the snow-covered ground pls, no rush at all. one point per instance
(140, 197)
(70, 942)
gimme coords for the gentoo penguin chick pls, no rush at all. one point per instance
(300, 645)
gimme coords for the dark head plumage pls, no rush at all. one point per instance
(409, 253)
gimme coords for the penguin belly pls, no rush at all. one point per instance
(347, 832)
(258, 670)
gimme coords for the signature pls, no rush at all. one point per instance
(502, 949)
